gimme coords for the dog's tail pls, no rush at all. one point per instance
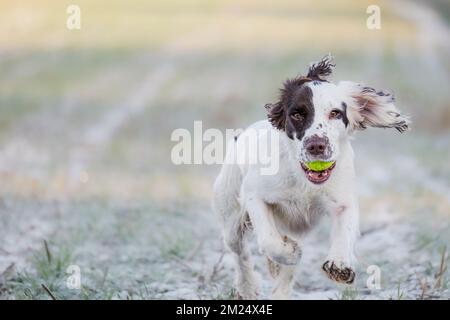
(226, 202)
(228, 183)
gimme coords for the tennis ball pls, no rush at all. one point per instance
(319, 165)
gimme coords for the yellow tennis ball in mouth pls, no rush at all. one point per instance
(319, 165)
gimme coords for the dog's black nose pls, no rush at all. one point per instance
(316, 146)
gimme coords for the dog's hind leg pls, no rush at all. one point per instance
(247, 286)
(235, 223)
(283, 276)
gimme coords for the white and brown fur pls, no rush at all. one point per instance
(281, 208)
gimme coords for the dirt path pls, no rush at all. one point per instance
(98, 136)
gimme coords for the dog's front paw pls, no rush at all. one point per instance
(286, 251)
(339, 272)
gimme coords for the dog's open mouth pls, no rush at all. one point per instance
(318, 177)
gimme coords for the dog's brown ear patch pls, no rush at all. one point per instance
(322, 70)
(318, 71)
(276, 112)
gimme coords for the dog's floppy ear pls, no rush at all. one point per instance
(368, 107)
(318, 71)
(322, 69)
(275, 113)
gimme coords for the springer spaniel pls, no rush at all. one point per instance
(313, 120)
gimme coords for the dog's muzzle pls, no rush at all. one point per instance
(317, 148)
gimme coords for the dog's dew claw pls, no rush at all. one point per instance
(325, 267)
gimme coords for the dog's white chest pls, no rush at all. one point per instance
(296, 209)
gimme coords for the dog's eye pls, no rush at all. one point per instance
(335, 114)
(297, 116)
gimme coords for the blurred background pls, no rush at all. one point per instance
(86, 117)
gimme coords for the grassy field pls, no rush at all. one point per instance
(85, 123)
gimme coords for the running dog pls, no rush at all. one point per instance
(314, 120)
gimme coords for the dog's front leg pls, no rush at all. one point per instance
(344, 231)
(279, 248)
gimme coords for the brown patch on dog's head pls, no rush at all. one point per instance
(277, 111)
(295, 97)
